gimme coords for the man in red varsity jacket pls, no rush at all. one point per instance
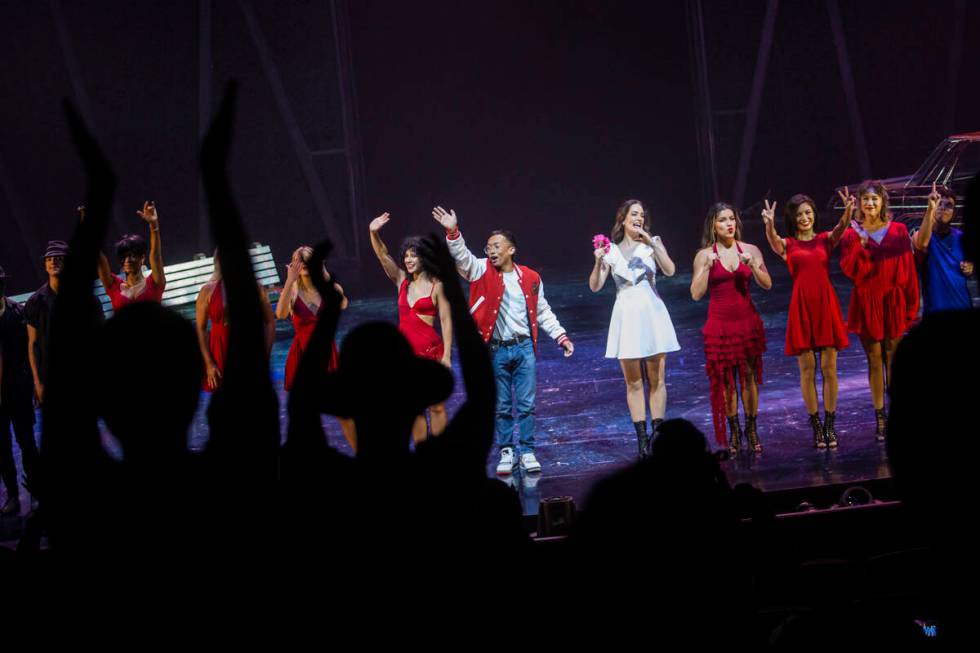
(508, 305)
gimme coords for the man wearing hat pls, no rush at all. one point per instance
(37, 314)
(16, 409)
(508, 305)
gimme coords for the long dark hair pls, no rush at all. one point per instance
(619, 228)
(413, 243)
(792, 206)
(708, 236)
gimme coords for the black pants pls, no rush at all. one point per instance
(21, 417)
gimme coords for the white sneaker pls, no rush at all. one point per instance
(506, 464)
(529, 463)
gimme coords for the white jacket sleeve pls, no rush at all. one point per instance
(546, 318)
(470, 267)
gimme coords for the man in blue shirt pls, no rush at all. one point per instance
(939, 252)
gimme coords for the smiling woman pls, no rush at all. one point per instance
(815, 327)
(420, 299)
(734, 338)
(640, 331)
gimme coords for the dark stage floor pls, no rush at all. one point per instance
(584, 430)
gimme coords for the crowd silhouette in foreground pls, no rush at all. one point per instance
(664, 549)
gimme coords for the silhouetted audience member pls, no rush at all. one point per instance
(658, 546)
(161, 513)
(930, 429)
(436, 505)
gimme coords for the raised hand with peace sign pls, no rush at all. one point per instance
(777, 244)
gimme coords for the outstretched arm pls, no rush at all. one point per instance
(469, 266)
(395, 273)
(472, 426)
(149, 214)
(243, 444)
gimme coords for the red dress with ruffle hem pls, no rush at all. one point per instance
(733, 334)
(304, 321)
(815, 319)
(218, 336)
(422, 336)
(885, 301)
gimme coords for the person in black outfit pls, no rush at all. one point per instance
(16, 409)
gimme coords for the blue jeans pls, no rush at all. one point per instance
(514, 371)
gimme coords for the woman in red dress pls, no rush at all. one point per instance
(210, 308)
(815, 326)
(300, 301)
(877, 256)
(420, 299)
(131, 251)
(734, 338)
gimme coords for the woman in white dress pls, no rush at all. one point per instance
(640, 331)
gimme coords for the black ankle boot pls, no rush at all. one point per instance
(734, 434)
(829, 432)
(641, 437)
(818, 431)
(752, 434)
(881, 421)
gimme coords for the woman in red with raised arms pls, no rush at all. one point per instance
(420, 300)
(815, 327)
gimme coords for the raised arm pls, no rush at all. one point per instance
(391, 268)
(702, 267)
(922, 237)
(244, 445)
(472, 426)
(284, 307)
(777, 244)
(149, 214)
(71, 443)
(104, 269)
(469, 266)
(845, 219)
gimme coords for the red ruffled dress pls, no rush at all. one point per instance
(885, 301)
(733, 334)
(423, 337)
(304, 321)
(815, 319)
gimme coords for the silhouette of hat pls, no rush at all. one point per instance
(378, 371)
(56, 248)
